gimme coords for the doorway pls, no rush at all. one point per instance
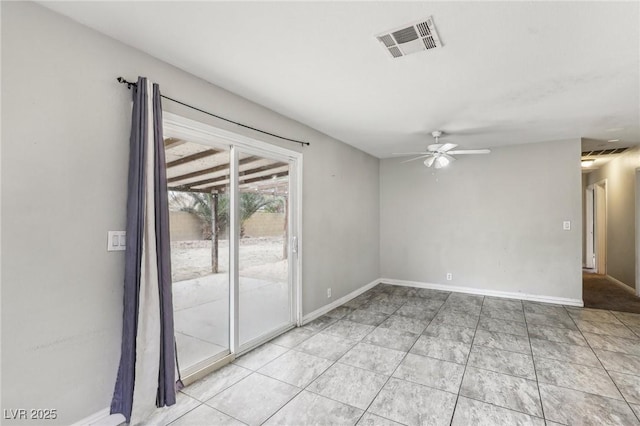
(235, 229)
(600, 226)
(596, 228)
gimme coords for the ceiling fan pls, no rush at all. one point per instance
(439, 155)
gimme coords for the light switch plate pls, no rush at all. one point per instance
(566, 225)
(116, 240)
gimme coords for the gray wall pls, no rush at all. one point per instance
(493, 221)
(620, 174)
(65, 149)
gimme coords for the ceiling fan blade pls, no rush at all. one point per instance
(434, 146)
(470, 151)
(429, 161)
(409, 153)
(415, 158)
(447, 147)
(448, 157)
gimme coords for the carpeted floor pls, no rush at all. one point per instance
(600, 293)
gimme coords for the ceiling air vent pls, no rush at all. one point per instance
(413, 38)
(604, 152)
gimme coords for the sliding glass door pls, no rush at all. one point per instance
(263, 250)
(234, 232)
(198, 184)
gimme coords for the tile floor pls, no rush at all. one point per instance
(398, 355)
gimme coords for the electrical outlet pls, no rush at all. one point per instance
(329, 292)
(449, 276)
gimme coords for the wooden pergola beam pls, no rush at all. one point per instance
(210, 189)
(182, 189)
(193, 157)
(244, 173)
(173, 142)
(210, 170)
(215, 188)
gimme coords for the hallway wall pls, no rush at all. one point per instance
(621, 214)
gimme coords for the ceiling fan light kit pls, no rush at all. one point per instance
(440, 155)
(441, 162)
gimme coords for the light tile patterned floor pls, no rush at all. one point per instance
(399, 355)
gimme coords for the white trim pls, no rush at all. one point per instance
(637, 231)
(101, 418)
(298, 235)
(344, 299)
(485, 292)
(597, 250)
(234, 244)
(194, 372)
(173, 123)
(589, 228)
(620, 283)
(208, 369)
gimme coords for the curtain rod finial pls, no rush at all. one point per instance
(129, 84)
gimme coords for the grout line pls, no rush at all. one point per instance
(503, 408)
(603, 322)
(464, 373)
(535, 370)
(503, 332)
(619, 319)
(620, 353)
(503, 373)
(268, 362)
(564, 361)
(395, 369)
(607, 371)
(545, 338)
(221, 390)
(300, 390)
(218, 393)
(340, 357)
(178, 418)
(501, 349)
(330, 366)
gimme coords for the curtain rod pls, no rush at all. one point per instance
(131, 84)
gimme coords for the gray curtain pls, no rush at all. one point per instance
(147, 373)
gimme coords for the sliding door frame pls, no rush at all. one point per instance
(181, 127)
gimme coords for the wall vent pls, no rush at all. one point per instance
(411, 38)
(603, 152)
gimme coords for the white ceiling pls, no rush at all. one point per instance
(509, 72)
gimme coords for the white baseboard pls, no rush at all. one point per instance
(621, 284)
(344, 299)
(485, 292)
(101, 418)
